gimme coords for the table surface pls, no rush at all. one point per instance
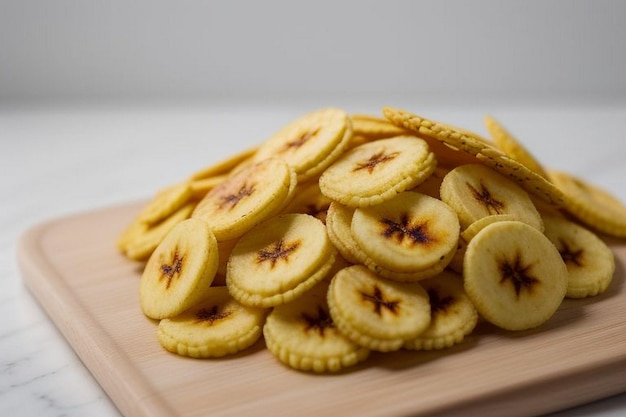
(59, 160)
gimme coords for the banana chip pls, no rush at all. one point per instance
(179, 271)
(216, 326)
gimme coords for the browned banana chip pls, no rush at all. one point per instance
(376, 171)
(247, 198)
(310, 143)
(376, 313)
(409, 234)
(476, 191)
(514, 275)
(453, 315)
(279, 260)
(303, 336)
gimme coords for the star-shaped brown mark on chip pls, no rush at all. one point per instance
(171, 270)
(320, 322)
(416, 233)
(569, 255)
(378, 299)
(230, 200)
(484, 197)
(277, 251)
(439, 304)
(300, 140)
(211, 315)
(374, 161)
(518, 275)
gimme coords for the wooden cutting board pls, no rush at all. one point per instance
(91, 293)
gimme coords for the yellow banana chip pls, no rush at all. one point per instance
(302, 335)
(376, 171)
(310, 143)
(216, 327)
(377, 313)
(247, 198)
(179, 271)
(279, 260)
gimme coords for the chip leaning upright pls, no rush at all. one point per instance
(480, 149)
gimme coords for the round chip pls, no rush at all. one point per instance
(476, 191)
(590, 262)
(302, 335)
(452, 313)
(247, 198)
(377, 313)
(279, 260)
(376, 171)
(179, 271)
(514, 275)
(216, 327)
(310, 143)
(410, 233)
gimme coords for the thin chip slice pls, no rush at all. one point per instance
(310, 143)
(179, 271)
(476, 191)
(247, 198)
(512, 147)
(514, 275)
(590, 204)
(302, 335)
(377, 313)
(376, 171)
(410, 233)
(590, 262)
(217, 326)
(453, 315)
(279, 260)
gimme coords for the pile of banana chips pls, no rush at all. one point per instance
(345, 234)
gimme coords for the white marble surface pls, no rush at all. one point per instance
(64, 159)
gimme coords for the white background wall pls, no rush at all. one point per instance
(147, 49)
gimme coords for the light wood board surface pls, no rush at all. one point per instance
(91, 293)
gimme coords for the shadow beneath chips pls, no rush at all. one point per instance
(405, 358)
